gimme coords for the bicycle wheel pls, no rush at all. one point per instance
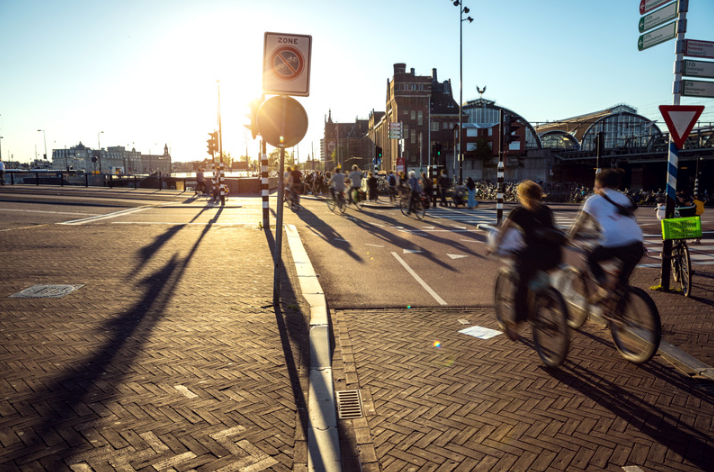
(419, 209)
(681, 267)
(331, 204)
(341, 204)
(356, 199)
(575, 293)
(503, 296)
(404, 205)
(551, 334)
(636, 328)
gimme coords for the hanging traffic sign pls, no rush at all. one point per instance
(695, 48)
(697, 88)
(658, 36)
(395, 130)
(286, 64)
(698, 69)
(680, 120)
(659, 17)
(649, 5)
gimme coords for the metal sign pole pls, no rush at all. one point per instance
(673, 157)
(277, 255)
(499, 196)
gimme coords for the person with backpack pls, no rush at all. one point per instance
(444, 184)
(540, 252)
(621, 237)
(392, 182)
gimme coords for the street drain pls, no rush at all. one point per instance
(349, 404)
(47, 291)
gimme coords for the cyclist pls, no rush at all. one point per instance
(337, 183)
(414, 189)
(295, 181)
(356, 179)
(538, 253)
(620, 236)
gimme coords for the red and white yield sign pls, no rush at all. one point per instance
(680, 120)
(286, 64)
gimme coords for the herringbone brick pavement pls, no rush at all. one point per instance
(470, 404)
(171, 357)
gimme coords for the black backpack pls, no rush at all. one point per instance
(623, 210)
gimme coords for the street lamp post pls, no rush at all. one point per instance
(45, 139)
(462, 10)
(99, 147)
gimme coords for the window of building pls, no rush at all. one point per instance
(421, 118)
(445, 125)
(405, 129)
(413, 115)
(435, 126)
(413, 140)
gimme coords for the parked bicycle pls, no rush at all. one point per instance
(547, 310)
(629, 312)
(679, 229)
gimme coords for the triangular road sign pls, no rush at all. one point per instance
(680, 120)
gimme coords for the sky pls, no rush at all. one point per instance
(144, 73)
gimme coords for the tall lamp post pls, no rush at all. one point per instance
(99, 147)
(462, 10)
(45, 139)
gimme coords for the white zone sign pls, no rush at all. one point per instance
(286, 64)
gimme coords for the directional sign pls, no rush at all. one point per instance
(697, 88)
(395, 130)
(659, 17)
(658, 36)
(680, 120)
(696, 48)
(649, 5)
(286, 64)
(698, 69)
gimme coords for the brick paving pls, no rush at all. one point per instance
(171, 357)
(472, 404)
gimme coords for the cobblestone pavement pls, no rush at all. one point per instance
(169, 357)
(437, 399)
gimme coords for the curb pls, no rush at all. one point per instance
(322, 440)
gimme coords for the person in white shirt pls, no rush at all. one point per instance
(620, 236)
(356, 181)
(337, 183)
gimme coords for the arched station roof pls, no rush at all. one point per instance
(485, 112)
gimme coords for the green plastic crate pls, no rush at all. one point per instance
(689, 227)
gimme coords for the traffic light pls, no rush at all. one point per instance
(212, 142)
(438, 149)
(510, 127)
(253, 127)
(378, 152)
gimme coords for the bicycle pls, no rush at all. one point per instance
(629, 312)
(357, 197)
(292, 199)
(338, 202)
(679, 230)
(547, 310)
(408, 205)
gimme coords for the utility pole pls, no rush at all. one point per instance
(220, 149)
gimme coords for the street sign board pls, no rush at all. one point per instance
(658, 36)
(695, 48)
(659, 17)
(286, 64)
(395, 130)
(698, 69)
(697, 88)
(649, 5)
(680, 120)
(282, 121)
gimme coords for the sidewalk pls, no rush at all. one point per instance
(168, 355)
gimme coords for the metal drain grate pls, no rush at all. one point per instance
(47, 291)
(349, 404)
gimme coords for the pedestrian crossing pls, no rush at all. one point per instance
(464, 219)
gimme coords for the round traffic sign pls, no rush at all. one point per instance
(287, 63)
(282, 121)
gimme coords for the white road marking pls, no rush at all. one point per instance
(104, 217)
(457, 256)
(373, 245)
(53, 212)
(419, 279)
(411, 251)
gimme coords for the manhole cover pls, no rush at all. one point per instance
(47, 291)
(349, 404)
